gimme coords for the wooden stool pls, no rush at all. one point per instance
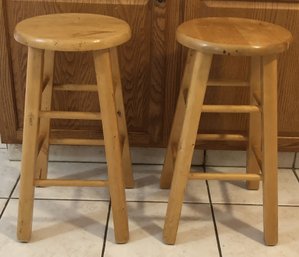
(227, 36)
(73, 32)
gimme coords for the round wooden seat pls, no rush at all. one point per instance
(72, 32)
(233, 36)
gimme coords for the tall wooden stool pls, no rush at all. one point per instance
(227, 36)
(73, 32)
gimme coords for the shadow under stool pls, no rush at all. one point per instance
(44, 35)
(261, 41)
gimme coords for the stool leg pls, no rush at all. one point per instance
(194, 98)
(112, 144)
(167, 172)
(269, 147)
(44, 127)
(29, 151)
(254, 137)
(121, 116)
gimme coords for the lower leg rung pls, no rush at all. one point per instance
(70, 183)
(231, 108)
(75, 87)
(76, 141)
(71, 115)
(222, 137)
(224, 176)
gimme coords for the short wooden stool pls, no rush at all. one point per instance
(238, 37)
(73, 32)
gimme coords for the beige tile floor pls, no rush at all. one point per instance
(218, 219)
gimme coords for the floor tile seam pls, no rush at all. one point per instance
(253, 205)
(66, 199)
(106, 230)
(294, 167)
(212, 208)
(9, 197)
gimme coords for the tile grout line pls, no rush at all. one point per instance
(106, 230)
(294, 167)
(211, 207)
(9, 197)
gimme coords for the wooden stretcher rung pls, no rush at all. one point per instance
(224, 176)
(222, 137)
(70, 115)
(75, 87)
(227, 83)
(70, 183)
(258, 155)
(230, 108)
(76, 141)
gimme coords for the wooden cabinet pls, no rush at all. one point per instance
(151, 66)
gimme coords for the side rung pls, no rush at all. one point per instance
(76, 141)
(258, 155)
(222, 137)
(230, 108)
(227, 83)
(75, 87)
(71, 115)
(224, 176)
(70, 183)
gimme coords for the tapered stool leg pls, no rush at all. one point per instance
(168, 167)
(121, 117)
(29, 150)
(254, 135)
(194, 97)
(269, 149)
(44, 128)
(112, 144)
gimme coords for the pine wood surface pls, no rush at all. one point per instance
(151, 65)
(72, 32)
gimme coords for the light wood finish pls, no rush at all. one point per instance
(248, 37)
(222, 137)
(194, 97)
(29, 149)
(230, 108)
(269, 149)
(226, 176)
(167, 172)
(46, 32)
(63, 32)
(70, 115)
(150, 99)
(74, 87)
(76, 141)
(70, 183)
(227, 83)
(108, 106)
(45, 123)
(121, 119)
(254, 132)
(262, 141)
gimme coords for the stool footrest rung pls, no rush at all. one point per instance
(75, 87)
(70, 183)
(230, 108)
(70, 115)
(227, 83)
(258, 156)
(76, 141)
(224, 176)
(222, 137)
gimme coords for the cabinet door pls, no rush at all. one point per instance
(282, 13)
(141, 61)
